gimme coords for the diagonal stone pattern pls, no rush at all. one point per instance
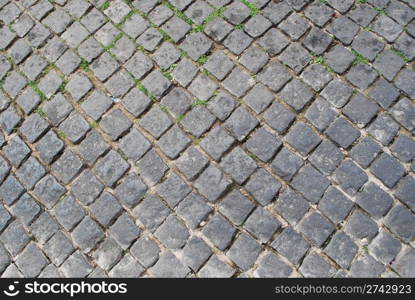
(207, 138)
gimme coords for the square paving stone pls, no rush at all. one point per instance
(68, 62)
(30, 172)
(273, 42)
(93, 20)
(68, 212)
(241, 123)
(316, 228)
(383, 93)
(124, 231)
(198, 11)
(58, 248)
(31, 260)
(152, 168)
(404, 191)
(274, 75)
(236, 207)
(218, 29)
(388, 64)
(87, 187)
(387, 28)
(172, 233)
(342, 249)
(11, 189)
(367, 45)
(311, 183)
(236, 13)
(75, 34)
(136, 102)
(131, 190)
(48, 190)
(196, 253)
(117, 11)
(139, 65)
(405, 82)
(342, 132)
(145, 250)
(350, 177)
(119, 84)
(134, 144)
(169, 266)
(177, 101)
(253, 59)
(76, 265)
(404, 263)
(54, 49)
(176, 28)
(196, 44)
(26, 209)
(87, 234)
(385, 247)
(335, 205)
(262, 224)
(57, 109)
(238, 82)
(383, 129)
(302, 138)
(92, 147)
(360, 226)
(276, 11)
(155, 121)
(291, 244)
(237, 41)
(18, 52)
(344, 29)
(263, 144)
(295, 26)
(244, 251)
(198, 120)
(238, 165)
(272, 266)
(191, 162)
(33, 127)
(166, 55)
(337, 92)
(316, 76)
(111, 167)
(173, 190)
(339, 58)
(104, 66)
(219, 231)
(33, 66)
(219, 65)
(156, 83)
(217, 142)
(212, 183)
(106, 34)
(127, 267)
(67, 166)
(291, 206)
(105, 208)
(326, 157)
(404, 111)
(361, 75)
(14, 238)
(202, 87)
(286, 163)
(400, 220)
(108, 254)
(258, 98)
(374, 200)
(387, 169)
(78, 86)
(215, 268)
(193, 210)
(315, 266)
(257, 25)
(360, 110)
(366, 266)
(115, 123)
(14, 83)
(317, 41)
(184, 72)
(295, 56)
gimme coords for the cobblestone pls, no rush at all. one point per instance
(269, 143)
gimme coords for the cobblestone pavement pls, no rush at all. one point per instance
(210, 138)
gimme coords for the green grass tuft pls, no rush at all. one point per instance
(252, 7)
